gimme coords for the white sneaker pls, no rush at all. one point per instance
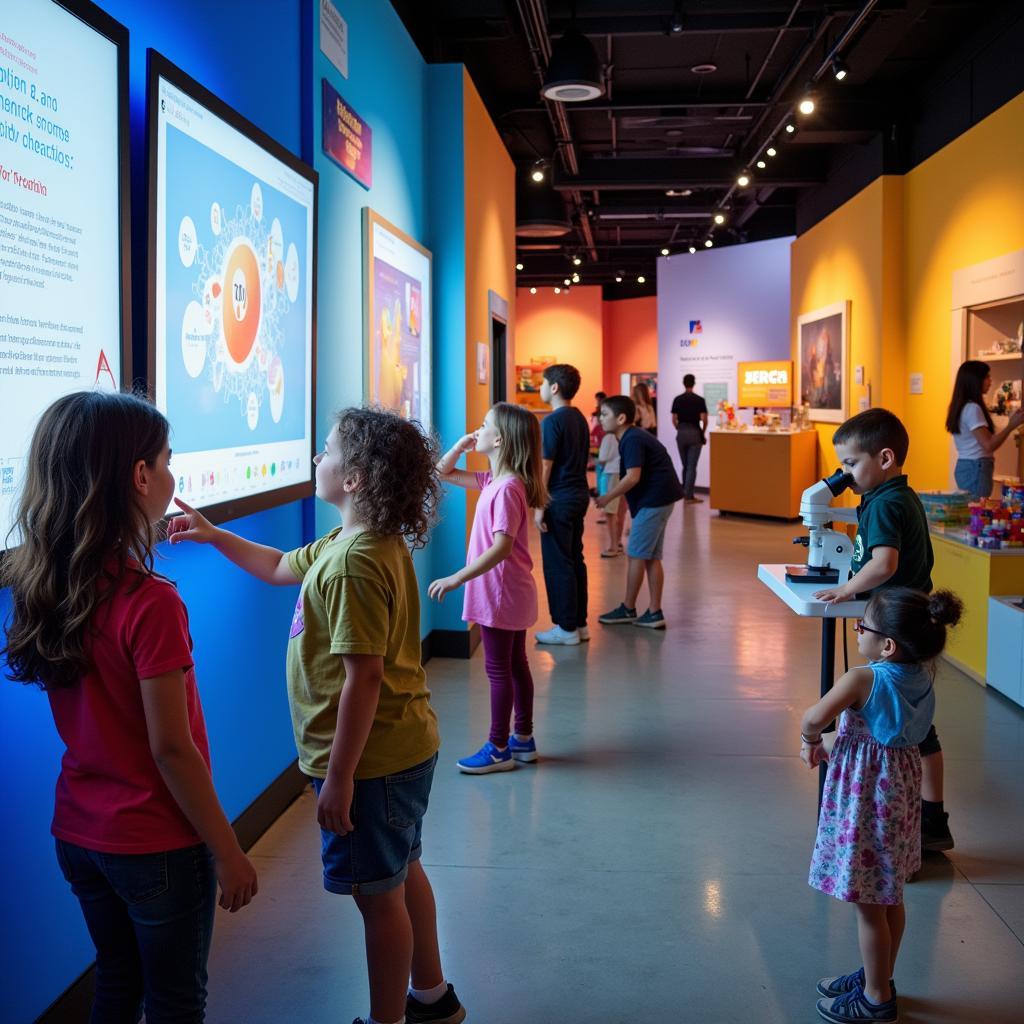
(557, 635)
(584, 632)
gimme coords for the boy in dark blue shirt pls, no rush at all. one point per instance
(649, 482)
(565, 441)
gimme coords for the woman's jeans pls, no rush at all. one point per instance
(151, 919)
(974, 476)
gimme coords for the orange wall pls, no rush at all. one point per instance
(568, 327)
(490, 242)
(630, 339)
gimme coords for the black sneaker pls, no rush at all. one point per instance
(935, 834)
(447, 1010)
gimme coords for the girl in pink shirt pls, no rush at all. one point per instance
(500, 593)
(140, 834)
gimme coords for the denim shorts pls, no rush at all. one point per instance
(387, 816)
(974, 476)
(648, 535)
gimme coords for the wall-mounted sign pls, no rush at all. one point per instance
(347, 138)
(765, 385)
(334, 36)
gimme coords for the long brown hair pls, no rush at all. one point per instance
(520, 451)
(77, 526)
(968, 387)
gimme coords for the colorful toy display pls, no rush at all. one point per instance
(998, 523)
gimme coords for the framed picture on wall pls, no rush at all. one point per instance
(483, 362)
(396, 355)
(823, 346)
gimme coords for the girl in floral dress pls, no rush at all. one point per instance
(869, 829)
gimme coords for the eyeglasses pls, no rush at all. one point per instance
(859, 627)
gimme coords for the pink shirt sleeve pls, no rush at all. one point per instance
(158, 636)
(508, 510)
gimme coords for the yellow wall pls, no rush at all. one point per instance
(892, 250)
(854, 255)
(962, 206)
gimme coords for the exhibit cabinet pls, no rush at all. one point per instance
(760, 472)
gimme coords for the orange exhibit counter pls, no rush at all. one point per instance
(762, 473)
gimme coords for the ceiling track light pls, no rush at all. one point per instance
(664, 251)
(575, 278)
(519, 266)
(761, 165)
(807, 103)
(771, 151)
(641, 279)
(576, 261)
(708, 243)
(790, 128)
(618, 279)
(743, 180)
(558, 291)
(719, 218)
(537, 171)
(533, 291)
(840, 69)
(567, 282)
(693, 249)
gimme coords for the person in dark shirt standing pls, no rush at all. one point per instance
(690, 418)
(565, 436)
(648, 480)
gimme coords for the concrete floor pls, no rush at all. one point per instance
(653, 865)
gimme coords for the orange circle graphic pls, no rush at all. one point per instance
(240, 310)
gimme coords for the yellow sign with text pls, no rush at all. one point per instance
(765, 385)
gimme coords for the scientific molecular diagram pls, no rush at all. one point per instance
(244, 285)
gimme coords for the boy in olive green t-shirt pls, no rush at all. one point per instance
(364, 729)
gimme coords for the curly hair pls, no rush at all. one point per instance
(394, 459)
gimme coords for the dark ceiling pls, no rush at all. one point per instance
(687, 111)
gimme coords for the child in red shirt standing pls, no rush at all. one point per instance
(141, 837)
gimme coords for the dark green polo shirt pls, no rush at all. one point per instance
(892, 516)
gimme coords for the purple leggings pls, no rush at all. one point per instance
(511, 682)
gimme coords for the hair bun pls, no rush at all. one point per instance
(945, 607)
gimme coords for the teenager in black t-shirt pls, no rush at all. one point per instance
(690, 418)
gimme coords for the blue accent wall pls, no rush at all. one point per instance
(239, 626)
(253, 57)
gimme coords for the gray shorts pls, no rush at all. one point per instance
(648, 535)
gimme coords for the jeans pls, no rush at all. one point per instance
(561, 547)
(508, 670)
(689, 441)
(974, 476)
(150, 917)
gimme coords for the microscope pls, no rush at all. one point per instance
(829, 552)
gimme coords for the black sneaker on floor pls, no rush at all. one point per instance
(935, 834)
(447, 1010)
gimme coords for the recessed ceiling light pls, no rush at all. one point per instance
(704, 69)
(641, 279)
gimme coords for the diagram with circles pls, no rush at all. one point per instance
(237, 323)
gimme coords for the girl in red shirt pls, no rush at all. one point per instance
(140, 835)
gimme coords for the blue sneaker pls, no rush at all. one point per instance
(618, 616)
(487, 759)
(522, 750)
(832, 987)
(651, 620)
(854, 1007)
